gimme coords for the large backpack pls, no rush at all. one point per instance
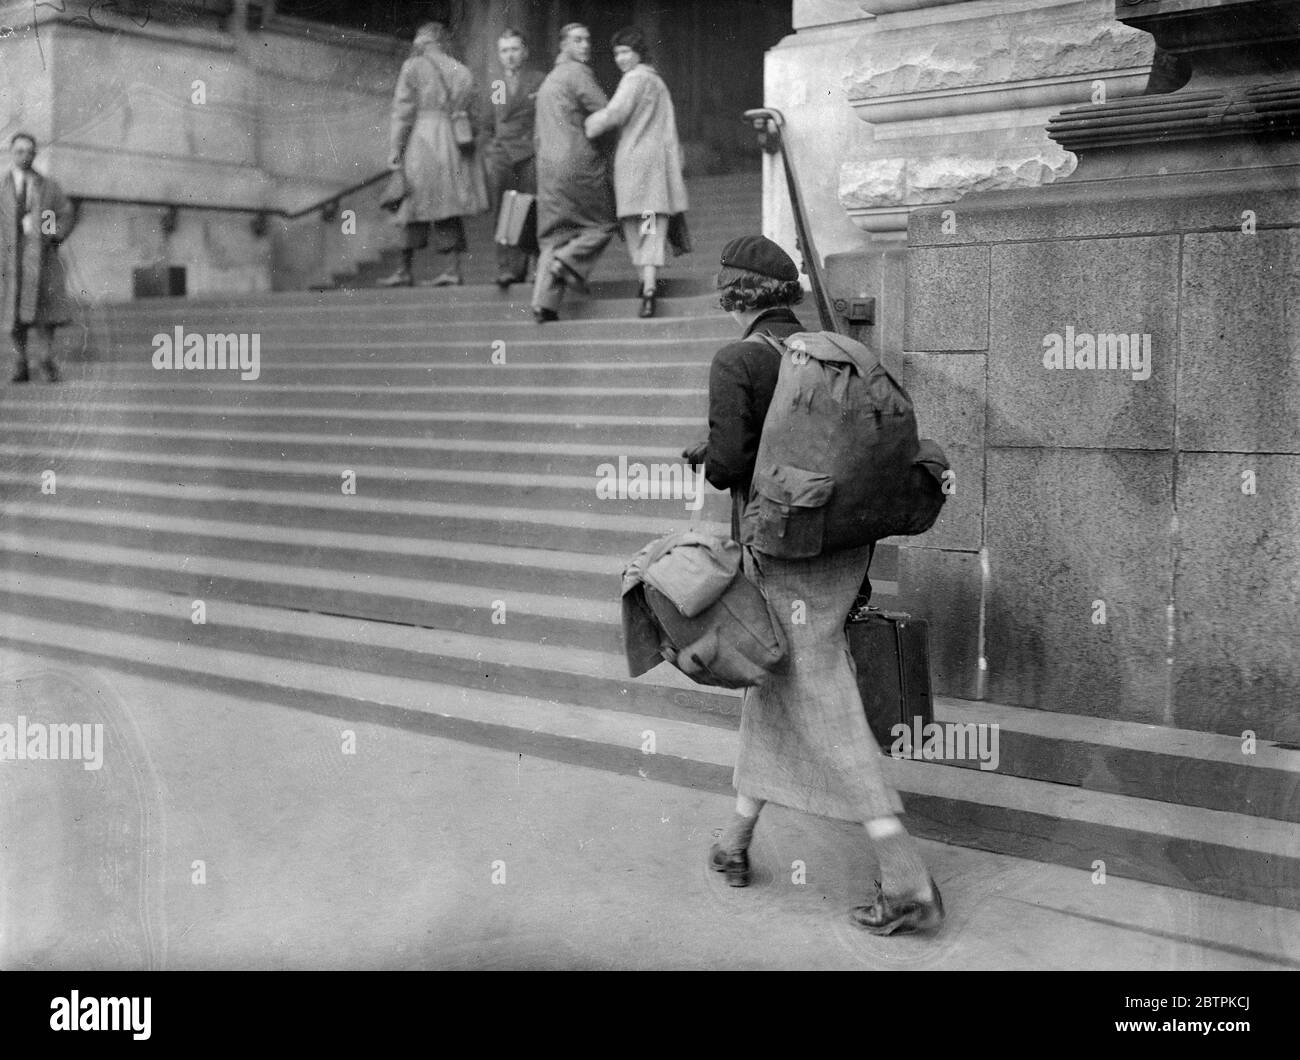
(839, 461)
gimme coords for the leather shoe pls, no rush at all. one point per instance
(505, 279)
(446, 279)
(735, 863)
(20, 376)
(647, 305)
(889, 916)
(401, 278)
(542, 315)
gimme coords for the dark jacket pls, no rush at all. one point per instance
(741, 381)
(510, 125)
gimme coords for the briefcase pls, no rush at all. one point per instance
(518, 219)
(891, 651)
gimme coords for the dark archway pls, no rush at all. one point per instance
(709, 51)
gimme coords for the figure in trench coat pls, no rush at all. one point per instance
(445, 183)
(35, 217)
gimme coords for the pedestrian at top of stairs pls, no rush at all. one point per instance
(509, 122)
(805, 741)
(648, 184)
(575, 199)
(35, 218)
(444, 180)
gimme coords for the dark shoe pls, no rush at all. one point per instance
(889, 916)
(446, 279)
(505, 279)
(401, 278)
(734, 863)
(20, 376)
(50, 372)
(543, 315)
(647, 305)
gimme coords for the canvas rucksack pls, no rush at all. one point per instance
(839, 461)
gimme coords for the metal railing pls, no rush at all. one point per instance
(770, 125)
(328, 206)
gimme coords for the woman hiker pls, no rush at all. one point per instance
(445, 182)
(804, 738)
(648, 185)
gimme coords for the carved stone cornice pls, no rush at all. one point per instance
(1260, 110)
(1237, 53)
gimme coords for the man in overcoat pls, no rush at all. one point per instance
(35, 217)
(509, 155)
(575, 196)
(445, 183)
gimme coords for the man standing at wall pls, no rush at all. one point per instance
(509, 153)
(575, 197)
(35, 217)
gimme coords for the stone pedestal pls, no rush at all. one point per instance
(1139, 514)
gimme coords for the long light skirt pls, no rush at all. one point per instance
(804, 738)
(645, 241)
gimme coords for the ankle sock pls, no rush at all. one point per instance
(902, 869)
(737, 835)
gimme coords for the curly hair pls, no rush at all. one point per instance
(632, 37)
(746, 291)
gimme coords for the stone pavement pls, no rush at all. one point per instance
(240, 834)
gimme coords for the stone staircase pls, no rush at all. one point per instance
(469, 586)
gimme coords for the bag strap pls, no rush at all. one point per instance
(446, 89)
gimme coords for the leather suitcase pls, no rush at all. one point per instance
(891, 651)
(517, 221)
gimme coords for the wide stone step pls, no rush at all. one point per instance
(651, 374)
(502, 523)
(674, 492)
(149, 633)
(56, 408)
(494, 609)
(643, 402)
(450, 453)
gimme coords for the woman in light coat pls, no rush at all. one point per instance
(648, 185)
(445, 183)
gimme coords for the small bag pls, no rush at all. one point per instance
(462, 129)
(394, 191)
(517, 222)
(679, 236)
(687, 600)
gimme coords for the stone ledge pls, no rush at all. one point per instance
(1072, 50)
(1042, 92)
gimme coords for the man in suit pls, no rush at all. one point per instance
(508, 154)
(35, 217)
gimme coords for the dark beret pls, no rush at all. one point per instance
(759, 254)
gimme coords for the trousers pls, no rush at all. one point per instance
(578, 252)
